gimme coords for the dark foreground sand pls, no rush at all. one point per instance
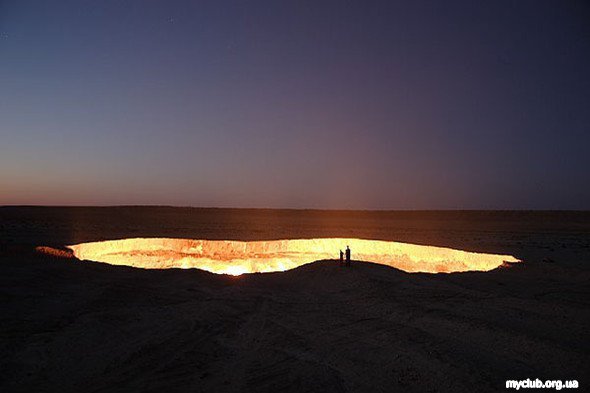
(68, 325)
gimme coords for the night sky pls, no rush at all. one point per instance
(296, 104)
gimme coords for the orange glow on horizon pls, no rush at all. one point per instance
(238, 257)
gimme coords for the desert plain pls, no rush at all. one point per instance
(72, 325)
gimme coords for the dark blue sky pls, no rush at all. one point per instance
(315, 104)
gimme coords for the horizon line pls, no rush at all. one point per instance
(296, 208)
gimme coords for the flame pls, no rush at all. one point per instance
(235, 270)
(237, 257)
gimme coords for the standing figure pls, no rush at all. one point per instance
(347, 256)
(341, 258)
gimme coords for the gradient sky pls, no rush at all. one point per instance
(304, 104)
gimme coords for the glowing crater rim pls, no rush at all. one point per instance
(239, 257)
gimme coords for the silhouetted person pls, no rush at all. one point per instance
(341, 258)
(347, 256)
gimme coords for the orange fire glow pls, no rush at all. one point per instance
(237, 257)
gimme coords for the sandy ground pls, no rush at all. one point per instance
(73, 326)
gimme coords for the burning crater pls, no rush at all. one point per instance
(238, 257)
